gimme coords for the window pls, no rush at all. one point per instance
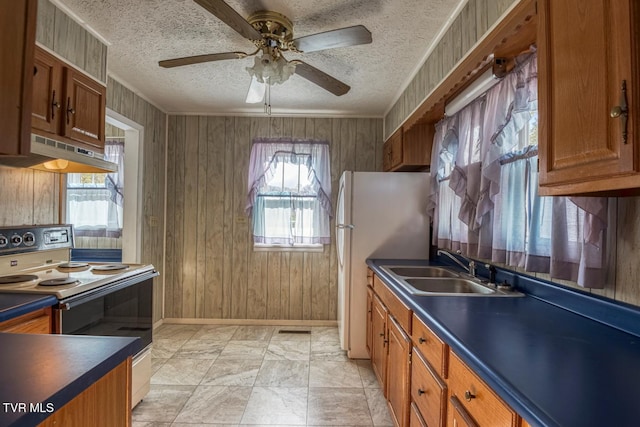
(485, 190)
(95, 200)
(289, 193)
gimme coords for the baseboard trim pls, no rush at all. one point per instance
(158, 324)
(251, 322)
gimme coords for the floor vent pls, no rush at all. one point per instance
(293, 331)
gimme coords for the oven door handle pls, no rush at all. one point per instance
(82, 298)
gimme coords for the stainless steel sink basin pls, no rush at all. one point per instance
(453, 286)
(429, 280)
(421, 271)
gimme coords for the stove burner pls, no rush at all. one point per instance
(110, 267)
(73, 264)
(8, 280)
(58, 282)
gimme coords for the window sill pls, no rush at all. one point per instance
(296, 248)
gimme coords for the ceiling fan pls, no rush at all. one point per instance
(272, 34)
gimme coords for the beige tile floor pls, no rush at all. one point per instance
(256, 375)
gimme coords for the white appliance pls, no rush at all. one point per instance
(93, 298)
(378, 215)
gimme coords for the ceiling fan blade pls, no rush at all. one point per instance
(321, 78)
(188, 60)
(343, 37)
(226, 14)
(256, 91)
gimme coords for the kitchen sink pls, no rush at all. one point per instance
(421, 271)
(423, 280)
(448, 286)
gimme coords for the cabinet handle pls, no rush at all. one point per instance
(382, 334)
(422, 340)
(70, 110)
(54, 104)
(421, 392)
(622, 111)
(468, 396)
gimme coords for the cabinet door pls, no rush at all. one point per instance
(369, 319)
(46, 110)
(458, 416)
(379, 344)
(582, 66)
(85, 109)
(428, 391)
(398, 373)
(18, 23)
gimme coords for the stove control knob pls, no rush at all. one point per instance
(3, 241)
(16, 240)
(29, 239)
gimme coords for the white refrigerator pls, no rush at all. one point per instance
(378, 215)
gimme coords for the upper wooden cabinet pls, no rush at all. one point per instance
(46, 108)
(408, 149)
(18, 23)
(67, 103)
(587, 55)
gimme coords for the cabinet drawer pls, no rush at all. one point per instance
(482, 404)
(432, 348)
(428, 391)
(396, 308)
(36, 322)
(369, 277)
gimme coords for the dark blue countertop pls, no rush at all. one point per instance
(50, 370)
(14, 305)
(553, 366)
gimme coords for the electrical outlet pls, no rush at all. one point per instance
(153, 221)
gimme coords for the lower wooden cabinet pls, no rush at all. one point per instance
(458, 415)
(415, 419)
(35, 322)
(379, 341)
(479, 401)
(398, 371)
(369, 329)
(105, 403)
(424, 382)
(428, 391)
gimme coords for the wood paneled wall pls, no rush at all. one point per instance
(123, 101)
(62, 35)
(471, 24)
(212, 271)
(28, 197)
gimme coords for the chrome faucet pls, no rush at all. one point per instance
(471, 268)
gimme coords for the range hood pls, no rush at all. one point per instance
(55, 156)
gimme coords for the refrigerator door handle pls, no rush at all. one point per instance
(343, 226)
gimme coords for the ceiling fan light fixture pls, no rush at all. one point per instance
(271, 69)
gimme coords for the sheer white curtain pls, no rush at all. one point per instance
(95, 202)
(289, 191)
(488, 207)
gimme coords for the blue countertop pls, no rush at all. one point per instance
(553, 366)
(14, 305)
(50, 370)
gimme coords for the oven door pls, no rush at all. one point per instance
(123, 308)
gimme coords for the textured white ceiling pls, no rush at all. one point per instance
(142, 32)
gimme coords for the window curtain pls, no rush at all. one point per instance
(311, 206)
(98, 211)
(488, 206)
(114, 152)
